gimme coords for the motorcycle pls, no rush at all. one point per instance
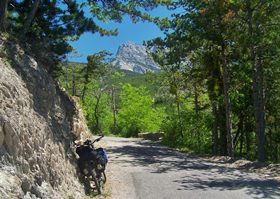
(92, 163)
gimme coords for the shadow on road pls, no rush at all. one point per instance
(257, 188)
(202, 175)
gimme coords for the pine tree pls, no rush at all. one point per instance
(3, 14)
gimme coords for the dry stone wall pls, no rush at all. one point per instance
(38, 124)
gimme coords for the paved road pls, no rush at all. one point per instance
(145, 170)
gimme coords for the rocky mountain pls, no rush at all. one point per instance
(38, 123)
(134, 57)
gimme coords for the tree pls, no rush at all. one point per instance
(51, 25)
(259, 18)
(3, 14)
(237, 64)
(30, 17)
(169, 55)
(97, 107)
(114, 109)
(136, 113)
(95, 68)
(203, 35)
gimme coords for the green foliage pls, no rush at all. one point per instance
(46, 27)
(102, 110)
(70, 77)
(241, 37)
(136, 108)
(193, 99)
(97, 64)
(196, 127)
(96, 68)
(136, 112)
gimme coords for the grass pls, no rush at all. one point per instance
(105, 194)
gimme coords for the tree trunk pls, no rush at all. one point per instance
(215, 129)
(236, 137)
(248, 128)
(179, 113)
(3, 14)
(227, 105)
(241, 143)
(222, 130)
(258, 93)
(30, 17)
(96, 115)
(196, 108)
(85, 84)
(259, 108)
(114, 109)
(241, 132)
(270, 144)
(73, 82)
(67, 81)
(84, 92)
(277, 151)
(214, 82)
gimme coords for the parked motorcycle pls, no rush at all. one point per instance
(92, 163)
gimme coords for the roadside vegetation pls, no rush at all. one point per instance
(218, 91)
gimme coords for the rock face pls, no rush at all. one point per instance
(133, 57)
(38, 123)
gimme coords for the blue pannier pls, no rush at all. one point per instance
(102, 153)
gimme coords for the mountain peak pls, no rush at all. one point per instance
(134, 57)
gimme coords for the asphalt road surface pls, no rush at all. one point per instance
(140, 169)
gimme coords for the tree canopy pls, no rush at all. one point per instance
(49, 25)
(218, 91)
(233, 45)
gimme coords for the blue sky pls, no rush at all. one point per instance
(128, 31)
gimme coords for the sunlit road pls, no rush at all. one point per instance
(145, 170)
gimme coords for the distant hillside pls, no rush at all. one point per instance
(134, 57)
(135, 79)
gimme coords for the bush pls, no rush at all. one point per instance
(136, 113)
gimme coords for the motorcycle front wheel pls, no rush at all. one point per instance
(97, 183)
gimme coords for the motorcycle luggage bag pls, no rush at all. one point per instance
(102, 153)
(86, 153)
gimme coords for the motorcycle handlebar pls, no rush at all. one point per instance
(98, 139)
(89, 142)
